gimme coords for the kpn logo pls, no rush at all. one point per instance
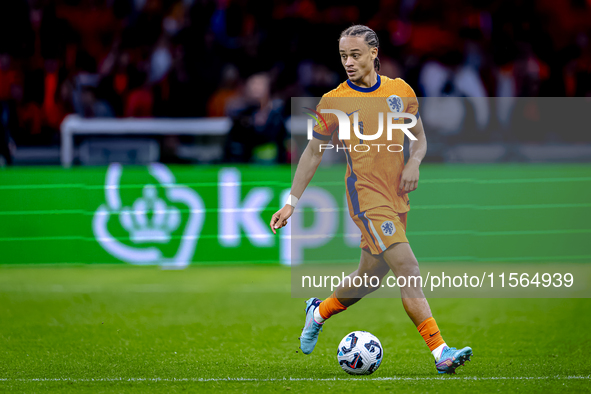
(368, 126)
(142, 232)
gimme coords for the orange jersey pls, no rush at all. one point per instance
(373, 176)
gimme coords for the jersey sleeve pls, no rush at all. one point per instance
(326, 124)
(411, 104)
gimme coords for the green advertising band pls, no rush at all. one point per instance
(180, 215)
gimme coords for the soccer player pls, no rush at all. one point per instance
(377, 186)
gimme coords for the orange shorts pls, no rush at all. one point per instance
(380, 228)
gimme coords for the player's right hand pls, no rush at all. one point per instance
(280, 217)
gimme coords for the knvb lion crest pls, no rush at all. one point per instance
(395, 103)
(388, 228)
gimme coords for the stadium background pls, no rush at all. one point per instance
(212, 82)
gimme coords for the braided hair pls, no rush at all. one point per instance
(370, 36)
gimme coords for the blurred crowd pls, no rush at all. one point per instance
(246, 58)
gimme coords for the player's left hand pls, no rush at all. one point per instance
(280, 217)
(409, 181)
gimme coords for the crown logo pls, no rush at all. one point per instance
(150, 219)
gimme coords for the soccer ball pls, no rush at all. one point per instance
(360, 353)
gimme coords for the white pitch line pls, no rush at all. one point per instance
(392, 378)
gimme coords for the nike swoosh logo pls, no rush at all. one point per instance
(352, 112)
(434, 334)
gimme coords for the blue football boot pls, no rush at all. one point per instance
(311, 328)
(451, 358)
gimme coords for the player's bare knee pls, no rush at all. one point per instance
(372, 279)
(406, 268)
(379, 272)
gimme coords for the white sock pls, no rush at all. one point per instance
(437, 352)
(319, 319)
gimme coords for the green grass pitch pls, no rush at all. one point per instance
(235, 329)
